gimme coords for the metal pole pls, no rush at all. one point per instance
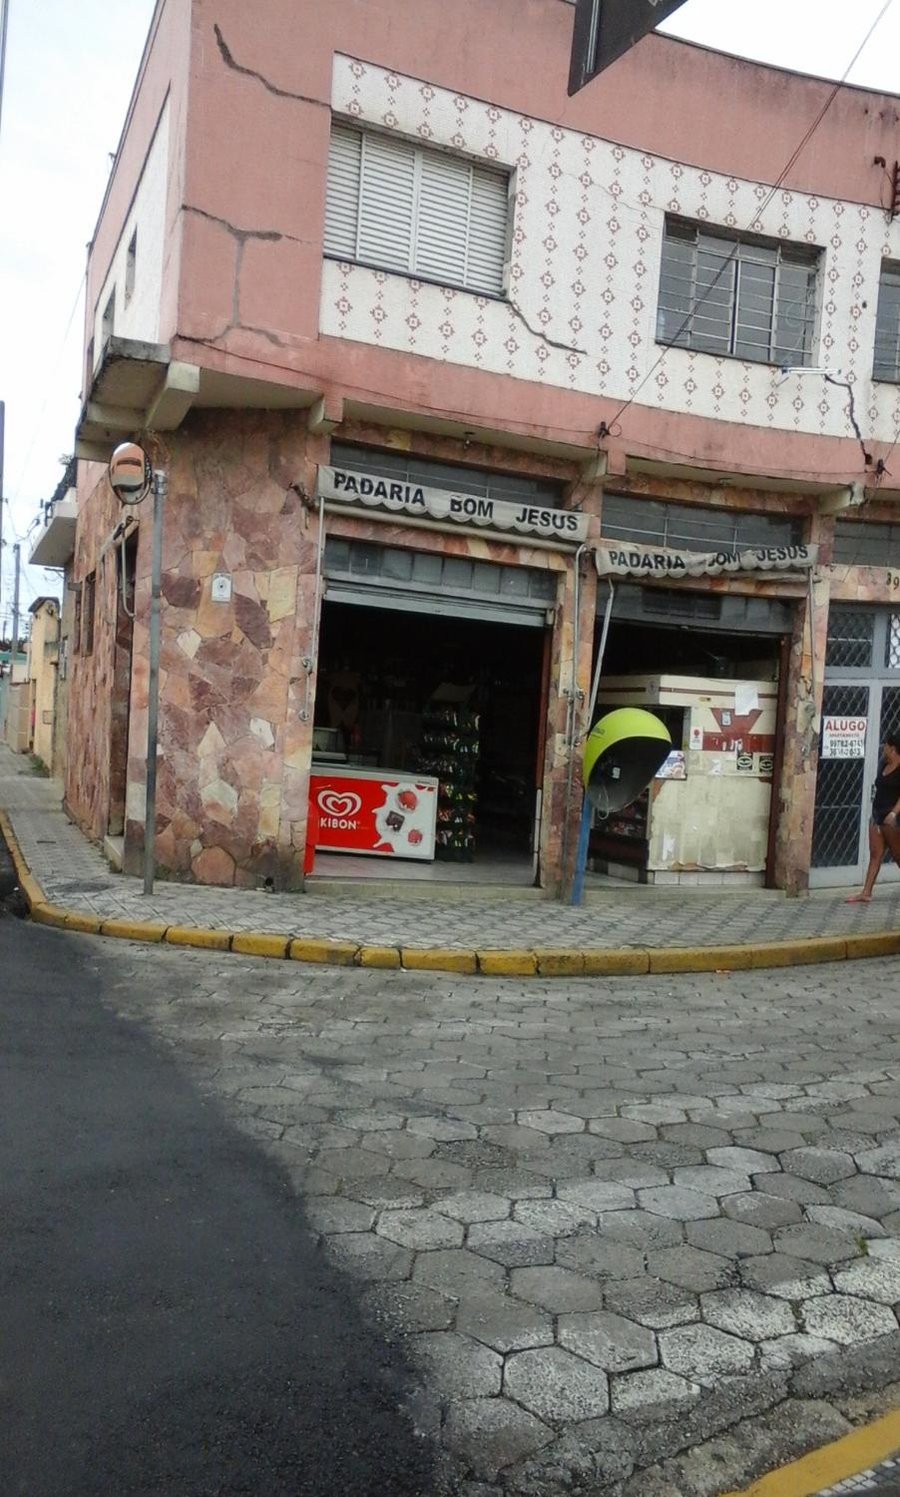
(584, 829)
(160, 488)
(4, 21)
(17, 549)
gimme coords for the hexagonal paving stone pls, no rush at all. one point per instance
(385, 1193)
(334, 1214)
(433, 1174)
(398, 1145)
(872, 1278)
(489, 1434)
(689, 1267)
(887, 1247)
(558, 1290)
(591, 1253)
(458, 1366)
(511, 1244)
(640, 1229)
(868, 1195)
(624, 1130)
(845, 1221)
(655, 1113)
(518, 1185)
(752, 1316)
(421, 1229)
(556, 1218)
(823, 1166)
(410, 1307)
(458, 1272)
(503, 1323)
(703, 1354)
(652, 1302)
(553, 1384)
(609, 1341)
(597, 1195)
(631, 1172)
(847, 1320)
(792, 1188)
(712, 1181)
(747, 1161)
(370, 1257)
(816, 1244)
(474, 1206)
(645, 1395)
(732, 1239)
(757, 1209)
(786, 1352)
(678, 1203)
(551, 1121)
(884, 1160)
(788, 1278)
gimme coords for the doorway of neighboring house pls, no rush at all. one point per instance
(126, 563)
(860, 706)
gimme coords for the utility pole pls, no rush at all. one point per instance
(4, 20)
(17, 549)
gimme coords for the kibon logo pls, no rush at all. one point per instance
(338, 808)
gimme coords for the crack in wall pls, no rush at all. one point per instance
(536, 332)
(280, 93)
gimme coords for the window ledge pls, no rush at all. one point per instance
(423, 280)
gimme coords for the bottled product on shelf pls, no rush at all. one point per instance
(449, 750)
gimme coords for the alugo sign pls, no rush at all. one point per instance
(561, 526)
(638, 561)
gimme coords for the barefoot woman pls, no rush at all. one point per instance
(884, 828)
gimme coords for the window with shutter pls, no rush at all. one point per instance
(887, 325)
(735, 296)
(421, 212)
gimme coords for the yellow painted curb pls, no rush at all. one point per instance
(49, 914)
(513, 963)
(134, 930)
(559, 962)
(624, 961)
(258, 943)
(29, 885)
(332, 953)
(848, 1456)
(438, 959)
(89, 925)
(884, 943)
(195, 935)
(800, 953)
(386, 957)
(700, 958)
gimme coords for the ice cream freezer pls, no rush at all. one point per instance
(705, 817)
(378, 812)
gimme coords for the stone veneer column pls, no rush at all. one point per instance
(231, 676)
(806, 671)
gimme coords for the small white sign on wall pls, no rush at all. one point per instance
(221, 588)
(844, 737)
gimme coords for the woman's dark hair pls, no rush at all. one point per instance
(893, 741)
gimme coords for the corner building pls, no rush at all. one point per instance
(447, 370)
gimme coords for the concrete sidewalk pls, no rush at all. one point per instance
(619, 931)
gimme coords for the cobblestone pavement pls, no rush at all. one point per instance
(883, 1480)
(74, 874)
(640, 1236)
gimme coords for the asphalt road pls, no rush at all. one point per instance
(168, 1326)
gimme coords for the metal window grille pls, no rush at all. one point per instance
(890, 711)
(424, 213)
(862, 543)
(737, 296)
(483, 483)
(887, 325)
(425, 571)
(851, 636)
(840, 785)
(892, 643)
(693, 527)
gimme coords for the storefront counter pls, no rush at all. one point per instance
(378, 812)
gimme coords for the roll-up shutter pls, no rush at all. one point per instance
(366, 575)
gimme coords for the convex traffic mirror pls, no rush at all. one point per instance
(130, 473)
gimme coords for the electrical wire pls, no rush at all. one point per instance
(758, 214)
